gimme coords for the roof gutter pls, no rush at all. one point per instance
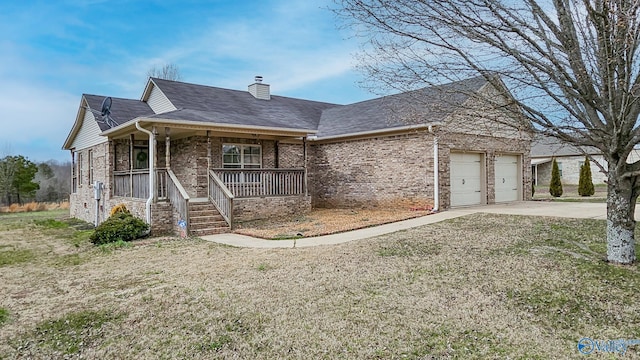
(436, 173)
(376, 132)
(210, 125)
(152, 173)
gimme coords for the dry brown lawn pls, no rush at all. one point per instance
(324, 221)
(477, 287)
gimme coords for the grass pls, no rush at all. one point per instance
(15, 256)
(4, 316)
(68, 334)
(570, 194)
(478, 287)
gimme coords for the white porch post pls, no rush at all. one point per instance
(152, 177)
(167, 148)
(306, 176)
(208, 161)
(154, 159)
(131, 160)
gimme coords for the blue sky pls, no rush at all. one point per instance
(54, 51)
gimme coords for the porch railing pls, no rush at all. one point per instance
(221, 198)
(177, 196)
(135, 183)
(262, 182)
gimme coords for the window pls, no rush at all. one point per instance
(241, 156)
(140, 157)
(80, 169)
(74, 173)
(90, 167)
(560, 168)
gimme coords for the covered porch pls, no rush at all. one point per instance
(234, 170)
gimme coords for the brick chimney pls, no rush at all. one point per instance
(259, 90)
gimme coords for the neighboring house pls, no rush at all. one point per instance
(569, 158)
(213, 156)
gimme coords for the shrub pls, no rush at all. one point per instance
(120, 208)
(120, 226)
(585, 184)
(555, 187)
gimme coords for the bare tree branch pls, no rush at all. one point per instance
(572, 67)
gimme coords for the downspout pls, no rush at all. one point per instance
(436, 175)
(152, 174)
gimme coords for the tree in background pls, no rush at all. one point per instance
(555, 186)
(585, 184)
(573, 68)
(167, 72)
(16, 179)
(7, 173)
(55, 181)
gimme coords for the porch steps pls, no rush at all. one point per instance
(205, 219)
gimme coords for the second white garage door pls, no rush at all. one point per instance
(466, 175)
(507, 179)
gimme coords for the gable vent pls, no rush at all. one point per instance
(259, 90)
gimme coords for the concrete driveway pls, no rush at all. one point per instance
(528, 208)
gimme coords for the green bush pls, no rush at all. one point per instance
(121, 226)
(555, 187)
(585, 184)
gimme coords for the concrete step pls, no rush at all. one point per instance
(198, 213)
(202, 225)
(205, 219)
(209, 231)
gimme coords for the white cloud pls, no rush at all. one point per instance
(293, 45)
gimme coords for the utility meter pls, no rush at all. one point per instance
(97, 190)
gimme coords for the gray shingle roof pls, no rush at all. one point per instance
(423, 106)
(212, 104)
(216, 105)
(122, 110)
(546, 146)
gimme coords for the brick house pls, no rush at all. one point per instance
(570, 159)
(213, 156)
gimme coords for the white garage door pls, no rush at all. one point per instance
(466, 174)
(507, 179)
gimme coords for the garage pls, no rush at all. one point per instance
(507, 178)
(466, 179)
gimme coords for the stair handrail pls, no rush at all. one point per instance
(221, 197)
(178, 197)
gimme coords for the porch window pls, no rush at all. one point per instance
(241, 156)
(140, 157)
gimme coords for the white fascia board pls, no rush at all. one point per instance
(379, 132)
(208, 125)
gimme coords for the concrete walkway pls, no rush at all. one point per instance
(529, 208)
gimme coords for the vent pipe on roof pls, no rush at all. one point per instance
(259, 90)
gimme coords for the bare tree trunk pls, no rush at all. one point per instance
(621, 223)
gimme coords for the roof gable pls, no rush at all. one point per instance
(122, 110)
(88, 125)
